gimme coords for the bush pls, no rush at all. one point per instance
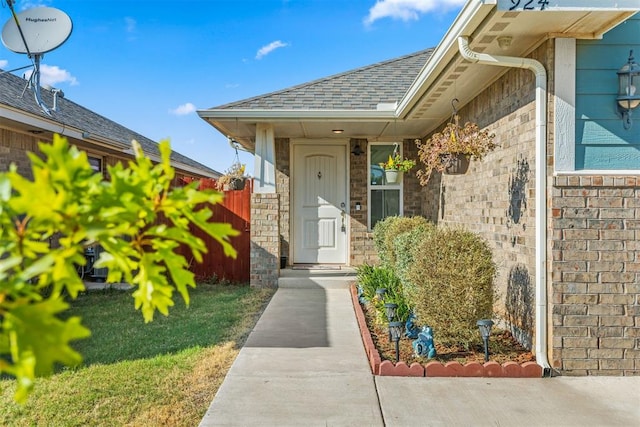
(450, 283)
(404, 244)
(372, 278)
(387, 230)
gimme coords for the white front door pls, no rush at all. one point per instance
(319, 204)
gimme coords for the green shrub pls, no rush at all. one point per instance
(451, 283)
(385, 232)
(372, 278)
(404, 244)
(365, 274)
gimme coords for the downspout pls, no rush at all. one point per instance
(541, 336)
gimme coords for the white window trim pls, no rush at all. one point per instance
(382, 187)
(565, 106)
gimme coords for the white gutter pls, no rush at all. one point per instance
(541, 335)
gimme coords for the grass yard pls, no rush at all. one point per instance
(162, 373)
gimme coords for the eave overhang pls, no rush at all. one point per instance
(41, 127)
(445, 76)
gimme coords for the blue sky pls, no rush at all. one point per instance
(149, 64)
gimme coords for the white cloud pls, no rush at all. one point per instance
(130, 24)
(3, 63)
(265, 50)
(24, 5)
(52, 75)
(183, 109)
(407, 10)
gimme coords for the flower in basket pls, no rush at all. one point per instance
(442, 149)
(232, 177)
(398, 163)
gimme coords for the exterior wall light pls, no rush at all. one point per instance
(628, 94)
(485, 331)
(357, 150)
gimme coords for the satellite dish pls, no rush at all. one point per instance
(38, 30)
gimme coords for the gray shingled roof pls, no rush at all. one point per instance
(360, 89)
(71, 114)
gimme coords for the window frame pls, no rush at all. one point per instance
(398, 186)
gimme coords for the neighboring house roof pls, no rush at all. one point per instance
(360, 89)
(90, 125)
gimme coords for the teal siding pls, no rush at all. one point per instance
(601, 140)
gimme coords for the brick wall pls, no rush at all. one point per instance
(362, 250)
(596, 267)
(283, 173)
(496, 197)
(13, 149)
(265, 240)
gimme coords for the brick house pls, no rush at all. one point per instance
(23, 124)
(557, 201)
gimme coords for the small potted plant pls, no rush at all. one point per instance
(233, 178)
(394, 166)
(450, 150)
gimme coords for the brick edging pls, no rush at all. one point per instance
(436, 369)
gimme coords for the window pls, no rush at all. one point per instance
(385, 197)
(95, 163)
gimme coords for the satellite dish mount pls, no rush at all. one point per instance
(35, 32)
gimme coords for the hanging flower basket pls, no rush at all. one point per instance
(456, 164)
(392, 176)
(237, 183)
(395, 165)
(450, 150)
(234, 177)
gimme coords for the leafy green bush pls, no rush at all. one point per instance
(387, 230)
(450, 280)
(404, 243)
(372, 278)
(67, 200)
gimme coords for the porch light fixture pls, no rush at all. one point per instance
(357, 150)
(628, 94)
(485, 331)
(337, 131)
(395, 330)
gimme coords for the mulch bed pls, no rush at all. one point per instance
(502, 347)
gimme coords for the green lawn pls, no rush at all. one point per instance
(162, 373)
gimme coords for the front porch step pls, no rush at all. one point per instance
(309, 279)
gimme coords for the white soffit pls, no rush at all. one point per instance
(447, 76)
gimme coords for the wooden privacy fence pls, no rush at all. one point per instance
(234, 210)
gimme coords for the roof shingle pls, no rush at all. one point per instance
(71, 114)
(360, 89)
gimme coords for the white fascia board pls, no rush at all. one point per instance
(296, 115)
(177, 165)
(469, 18)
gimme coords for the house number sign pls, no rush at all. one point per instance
(521, 5)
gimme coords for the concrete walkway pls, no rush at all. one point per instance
(304, 365)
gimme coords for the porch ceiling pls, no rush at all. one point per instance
(445, 76)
